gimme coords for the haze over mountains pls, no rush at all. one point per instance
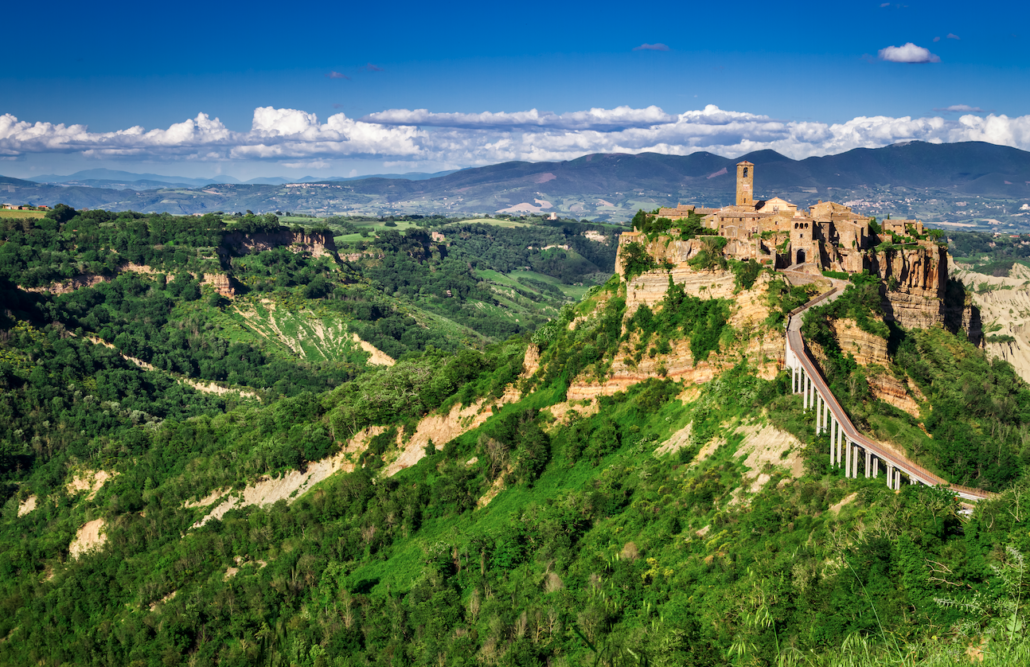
(971, 183)
(127, 180)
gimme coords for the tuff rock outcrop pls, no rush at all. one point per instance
(316, 243)
(915, 281)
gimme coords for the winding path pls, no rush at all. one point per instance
(846, 443)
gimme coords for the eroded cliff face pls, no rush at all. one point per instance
(871, 353)
(761, 346)
(915, 280)
(1004, 307)
(868, 350)
(664, 249)
(219, 281)
(316, 243)
(649, 288)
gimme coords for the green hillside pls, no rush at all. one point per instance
(551, 473)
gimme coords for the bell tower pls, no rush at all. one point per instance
(745, 184)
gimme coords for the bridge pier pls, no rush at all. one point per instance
(868, 463)
(839, 444)
(876, 468)
(847, 460)
(834, 437)
(854, 462)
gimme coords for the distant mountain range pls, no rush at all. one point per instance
(981, 183)
(127, 180)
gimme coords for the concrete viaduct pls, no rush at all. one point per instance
(850, 449)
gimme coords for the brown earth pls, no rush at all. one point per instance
(27, 505)
(88, 480)
(90, 537)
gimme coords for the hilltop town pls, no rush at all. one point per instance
(826, 239)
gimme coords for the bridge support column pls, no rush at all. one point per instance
(868, 463)
(840, 437)
(876, 468)
(890, 475)
(820, 420)
(804, 391)
(854, 462)
(834, 434)
(847, 459)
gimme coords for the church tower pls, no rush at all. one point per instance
(745, 184)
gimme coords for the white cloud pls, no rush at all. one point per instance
(909, 53)
(300, 139)
(651, 47)
(309, 164)
(619, 117)
(962, 108)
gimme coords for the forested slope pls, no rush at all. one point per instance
(458, 507)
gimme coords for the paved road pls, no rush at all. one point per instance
(912, 470)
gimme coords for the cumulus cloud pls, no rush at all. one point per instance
(414, 137)
(961, 108)
(953, 36)
(652, 47)
(909, 53)
(337, 75)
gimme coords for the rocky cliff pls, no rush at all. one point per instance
(752, 340)
(1004, 306)
(219, 281)
(664, 249)
(915, 280)
(316, 243)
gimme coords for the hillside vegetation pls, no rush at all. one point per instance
(631, 482)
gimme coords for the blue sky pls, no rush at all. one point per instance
(793, 77)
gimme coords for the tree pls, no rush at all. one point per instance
(61, 213)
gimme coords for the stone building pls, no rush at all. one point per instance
(828, 236)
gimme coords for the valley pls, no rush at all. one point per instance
(521, 443)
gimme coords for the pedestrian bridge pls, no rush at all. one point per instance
(857, 454)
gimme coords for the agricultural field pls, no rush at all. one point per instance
(22, 214)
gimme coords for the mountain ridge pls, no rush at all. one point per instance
(916, 179)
